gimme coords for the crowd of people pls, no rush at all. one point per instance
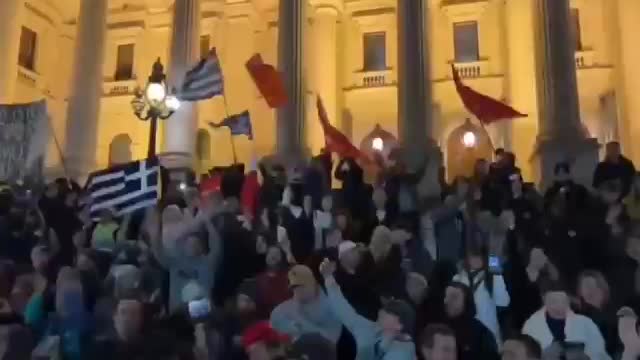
(489, 268)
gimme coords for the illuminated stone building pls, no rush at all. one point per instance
(569, 64)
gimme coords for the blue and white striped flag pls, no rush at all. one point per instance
(203, 81)
(125, 188)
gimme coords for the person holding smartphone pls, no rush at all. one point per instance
(558, 329)
(483, 274)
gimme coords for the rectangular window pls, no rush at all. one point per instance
(205, 45)
(576, 32)
(124, 63)
(28, 45)
(465, 38)
(375, 51)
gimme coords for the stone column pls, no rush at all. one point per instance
(180, 128)
(83, 112)
(414, 83)
(562, 106)
(561, 133)
(325, 69)
(290, 122)
(415, 113)
(10, 27)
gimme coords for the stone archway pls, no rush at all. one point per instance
(460, 157)
(379, 141)
(120, 150)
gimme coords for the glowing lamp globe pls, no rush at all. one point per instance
(469, 139)
(377, 144)
(172, 103)
(155, 93)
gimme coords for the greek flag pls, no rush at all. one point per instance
(124, 188)
(204, 81)
(239, 124)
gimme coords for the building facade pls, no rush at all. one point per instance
(569, 64)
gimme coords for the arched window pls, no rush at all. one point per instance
(465, 145)
(120, 149)
(203, 145)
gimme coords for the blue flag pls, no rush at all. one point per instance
(239, 124)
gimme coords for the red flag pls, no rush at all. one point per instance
(211, 185)
(485, 108)
(249, 194)
(268, 81)
(336, 141)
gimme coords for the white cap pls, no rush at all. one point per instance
(345, 246)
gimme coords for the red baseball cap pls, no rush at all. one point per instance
(262, 332)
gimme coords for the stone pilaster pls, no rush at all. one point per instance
(521, 82)
(625, 20)
(324, 67)
(86, 89)
(12, 11)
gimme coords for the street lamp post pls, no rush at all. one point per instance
(157, 102)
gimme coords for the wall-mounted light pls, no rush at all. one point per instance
(377, 144)
(469, 139)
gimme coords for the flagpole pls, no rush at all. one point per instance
(226, 111)
(484, 128)
(233, 143)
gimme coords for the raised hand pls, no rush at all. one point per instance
(327, 268)
(538, 259)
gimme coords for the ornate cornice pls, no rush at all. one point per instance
(464, 10)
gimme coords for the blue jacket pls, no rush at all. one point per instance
(370, 341)
(316, 317)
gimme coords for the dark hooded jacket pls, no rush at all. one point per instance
(474, 340)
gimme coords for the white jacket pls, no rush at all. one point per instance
(486, 302)
(577, 328)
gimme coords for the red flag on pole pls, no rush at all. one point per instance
(249, 194)
(485, 108)
(268, 81)
(336, 141)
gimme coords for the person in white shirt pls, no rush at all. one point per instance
(556, 324)
(323, 222)
(488, 286)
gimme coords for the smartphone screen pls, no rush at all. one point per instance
(199, 309)
(495, 265)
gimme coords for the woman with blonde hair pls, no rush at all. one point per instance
(594, 302)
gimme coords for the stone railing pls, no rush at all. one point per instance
(584, 59)
(119, 88)
(30, 78)
(473, 69)
(374, 80)
(368, 79)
